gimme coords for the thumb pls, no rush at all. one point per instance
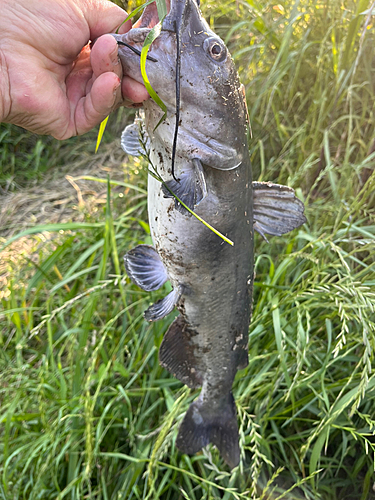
(103, 17)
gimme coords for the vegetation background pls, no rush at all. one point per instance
(86, 410)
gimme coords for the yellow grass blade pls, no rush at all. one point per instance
(100, 133)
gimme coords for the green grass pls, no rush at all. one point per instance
(86, 410)
(26, 158)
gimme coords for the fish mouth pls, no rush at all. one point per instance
(150, 17)
(179, 12)
(135, 38)
(180, 15)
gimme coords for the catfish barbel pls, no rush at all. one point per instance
(212, 281)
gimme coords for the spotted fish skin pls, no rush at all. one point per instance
(212, 281)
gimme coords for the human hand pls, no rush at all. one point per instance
(51, 82)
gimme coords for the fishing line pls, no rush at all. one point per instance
(136, 51)
(178, 71)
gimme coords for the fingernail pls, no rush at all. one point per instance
(114, 57)
(116, 87)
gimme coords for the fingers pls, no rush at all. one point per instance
(133, 91)
(98, 103)
(76, 81)
(106, 90)
(93, 99)
(104, 58)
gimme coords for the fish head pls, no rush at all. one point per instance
(213, 115)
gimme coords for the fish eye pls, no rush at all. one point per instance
(215, 48)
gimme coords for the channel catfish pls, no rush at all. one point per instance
(212, 281)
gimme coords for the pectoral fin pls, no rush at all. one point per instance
(163, 307)
(276, 209)
(134, 138)
(130, 140)
(145, 268)
(191, 188)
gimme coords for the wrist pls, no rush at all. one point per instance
(5, 102)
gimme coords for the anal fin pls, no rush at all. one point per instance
(203, 424)
(177, 354)
(276, 209)
(164, 306)
(191, 187)
(145, 268)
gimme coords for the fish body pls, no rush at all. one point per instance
(215, 282)
(212, 281)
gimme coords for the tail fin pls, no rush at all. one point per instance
(203, 425)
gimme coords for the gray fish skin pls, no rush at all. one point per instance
(208, 342)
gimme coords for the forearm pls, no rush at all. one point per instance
(5, 103)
